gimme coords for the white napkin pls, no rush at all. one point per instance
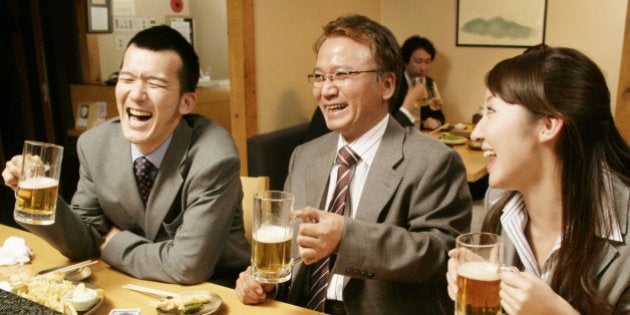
(14, 251)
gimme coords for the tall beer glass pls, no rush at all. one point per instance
(36, 196)
(478, 274)
(272, 236)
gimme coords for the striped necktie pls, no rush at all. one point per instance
(320, 270)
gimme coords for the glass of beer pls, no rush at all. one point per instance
(272, 236)
(479, 274)
(416, 106)
(36, 195)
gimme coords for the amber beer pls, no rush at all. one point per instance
(479, 285)
(36, 200)
(36, 194)
(271, 253)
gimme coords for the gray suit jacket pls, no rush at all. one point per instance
(414, 203)
(192, 227)
(612, 268)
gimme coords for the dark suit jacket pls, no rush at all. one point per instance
(425, 111)
(414, 203)
(192, 227)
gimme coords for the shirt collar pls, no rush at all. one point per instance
(366, 145)
(156, 156)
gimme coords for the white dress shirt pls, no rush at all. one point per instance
(365, 146)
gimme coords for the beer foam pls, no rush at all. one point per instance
(272, 234)
(479, 270)
(38, 183)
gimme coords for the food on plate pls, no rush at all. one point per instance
(475, 145)
(189, 303)
(452, 139)
(82, 298)
(51, 291)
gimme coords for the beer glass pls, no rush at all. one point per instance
(36, 195)
(416, 106)
(479, 274)
(272, 236)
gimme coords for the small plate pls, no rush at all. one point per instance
(75, 275)
(92, 309)
(452, 139)
(209, 308)
(474, 145)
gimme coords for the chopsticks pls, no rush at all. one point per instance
(446, 125)
(62, 270)
(154, 292)
(70, 267)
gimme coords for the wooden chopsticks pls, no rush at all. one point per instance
(70, 267)
(154, 292)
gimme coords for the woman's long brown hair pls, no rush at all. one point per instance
(562, 82)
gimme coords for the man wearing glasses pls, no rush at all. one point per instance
(381, 204)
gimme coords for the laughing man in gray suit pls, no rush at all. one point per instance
(408, 197)
(190, 228)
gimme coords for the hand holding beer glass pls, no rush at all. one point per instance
(36, 194)
(272, 237)
(479, 262)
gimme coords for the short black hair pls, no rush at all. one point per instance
(414, 43)
(163, 37)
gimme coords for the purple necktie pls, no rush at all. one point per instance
(320, 271)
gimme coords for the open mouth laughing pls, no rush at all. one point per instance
(139, 114)
(336, 107)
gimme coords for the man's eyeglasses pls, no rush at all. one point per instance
(340, 78)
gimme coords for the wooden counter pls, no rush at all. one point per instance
(111, 280)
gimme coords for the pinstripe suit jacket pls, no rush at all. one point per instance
(394, 252)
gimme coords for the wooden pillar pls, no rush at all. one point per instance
(622, 112)
(240, 19)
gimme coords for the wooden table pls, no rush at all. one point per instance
(474, 161)
(111, 280)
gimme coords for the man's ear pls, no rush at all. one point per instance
(550, 127)
(389, 84)
(187, 103)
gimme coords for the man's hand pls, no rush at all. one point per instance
(113, 231)
(416, 96)
(431, 123)
(319, 235)
(11, 173)
(250, 291)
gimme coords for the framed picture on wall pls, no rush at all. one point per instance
(500, 23)
(99, 16)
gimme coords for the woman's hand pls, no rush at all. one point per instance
(524, 293)
(250, 291)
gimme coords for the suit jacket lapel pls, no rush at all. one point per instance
(317, 175)
(124, 181)
(383, 177)
(168, 181)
